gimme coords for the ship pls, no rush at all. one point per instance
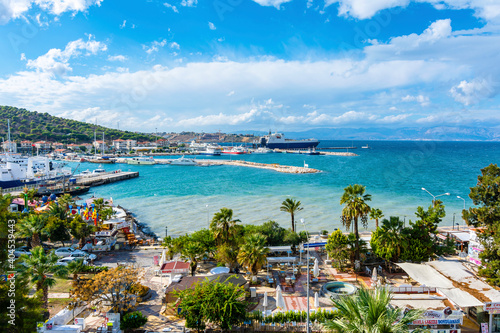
(278, 141)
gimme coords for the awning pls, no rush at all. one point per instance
(281, 259)
(280, 248)
(425, 274)
(462, 236)
(175, 267)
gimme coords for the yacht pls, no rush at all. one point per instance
(262, 150)
(236, 150)
(184, 161)
(141, 160)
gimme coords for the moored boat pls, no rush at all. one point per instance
(184, 161)
(278, 141)
(141, 160)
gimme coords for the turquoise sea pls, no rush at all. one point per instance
(184, 198)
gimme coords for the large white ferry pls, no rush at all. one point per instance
(278, 141)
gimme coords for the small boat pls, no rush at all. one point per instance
(236, 150)
(102, 160)
(184, 161)
(310, 152)
(98, 171)
(142, 160)
(366, 147)
(262, 150)
(211, 151)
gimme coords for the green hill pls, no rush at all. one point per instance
(36, 126)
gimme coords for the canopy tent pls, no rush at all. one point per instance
(284, 248)
(175, 267)
(281, 259)
(427, 275)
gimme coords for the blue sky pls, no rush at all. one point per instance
(254, 65)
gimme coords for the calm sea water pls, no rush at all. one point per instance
(185, 198)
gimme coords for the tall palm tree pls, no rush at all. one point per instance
(354, 199)
(75, 267)
(291, 206)
(192, 251)
(222, 226)
(31, 227)
(253, 253)
(58, 211)
(66, 200)
(376, 214)
(390, 241)
(38, 267)
(369, 311)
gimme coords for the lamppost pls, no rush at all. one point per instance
(308, 329)
(208, 218)
(434, 196)
(166, 231)
(459, 197)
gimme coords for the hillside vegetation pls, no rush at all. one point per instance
(36, 126)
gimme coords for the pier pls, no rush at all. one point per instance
(105, 178)
(274, 166)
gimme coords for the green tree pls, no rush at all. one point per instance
(376, 214)
(132, 320)
(369, 311)
(31, 227)
(168, 244)
(273, 232)
(388, 241)
(192, 251)
(80, 229)
(206, 239)
(223, 226)
(219, 303)
(57, 230)
(39, 266)
(291, 206)
(337, 248)
(75, 267)
(486, 214)
(355, 207)
(253, 253)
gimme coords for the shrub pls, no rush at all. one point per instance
(132, 320)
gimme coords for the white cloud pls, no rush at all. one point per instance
(423, 100)
(473, 91)
(175, 46)
(365, 9)
(174, 8)
(13, 9)
(56, 61)
(231, 93)
(189, 3)
(118, 57)
(273, 3)
(124, 24)
(211, 26)
(155, 46)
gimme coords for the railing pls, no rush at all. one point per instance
(18, 188)
(412, 290)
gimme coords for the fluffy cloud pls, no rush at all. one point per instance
(12, 9)
(56, 61)
(117, 58)
(211, 26)
(423, 100)
(174, 8)
(473, 91)
(274, 3)
(365, 9)
(155, 46)
(189, 3)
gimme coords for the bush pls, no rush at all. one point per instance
(132, 320)
(139, 289)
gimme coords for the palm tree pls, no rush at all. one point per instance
(376, 214)
(291, 206)
(31, 227)
(354, 199)
(223, 225)
(38, 267)
(192, 251)
(390, 242)
(66, 200)
(253, 253)
(369, 311)
(75, 267)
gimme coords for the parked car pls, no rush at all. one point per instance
(20, 251)
(82, 255)
(66, 260)
(66, 251)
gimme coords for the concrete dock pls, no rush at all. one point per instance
(105, 178)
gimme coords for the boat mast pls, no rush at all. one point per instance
(102, 152)
(95, 140)
(8, 135)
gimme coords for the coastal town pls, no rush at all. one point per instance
(110, 273)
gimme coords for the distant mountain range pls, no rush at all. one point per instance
(439, 133)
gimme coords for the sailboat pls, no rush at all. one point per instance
(102, 159)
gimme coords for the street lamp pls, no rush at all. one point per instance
(166, 231)
(208, 219)
(308, 329)
(434, 196)
(459, 197)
